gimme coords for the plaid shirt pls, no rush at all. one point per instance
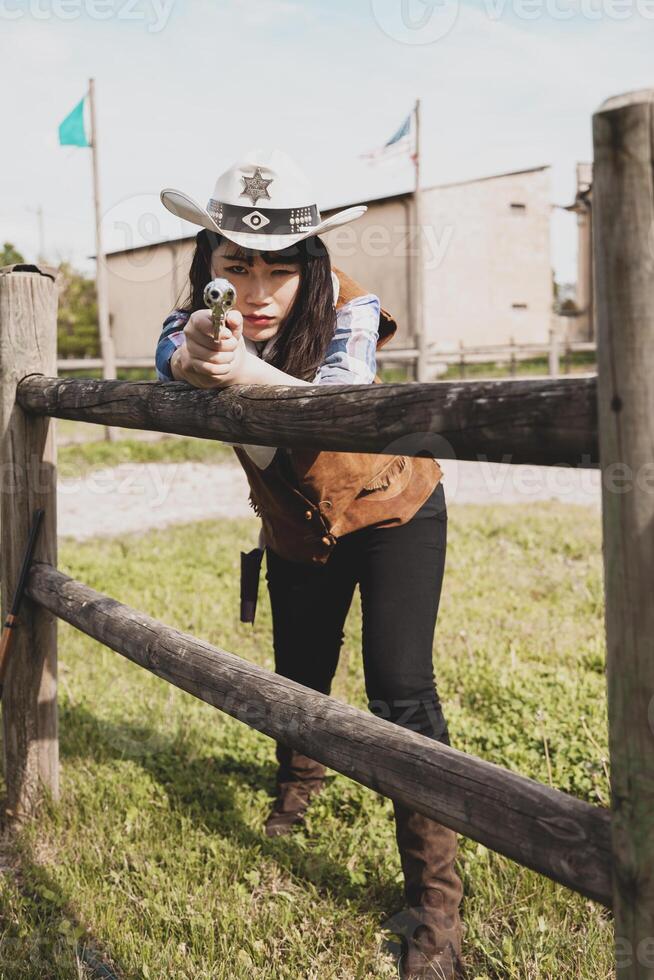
(350, 358)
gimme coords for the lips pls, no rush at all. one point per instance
(254, 318)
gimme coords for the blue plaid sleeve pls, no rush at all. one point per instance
(351, 358)
(171, 337)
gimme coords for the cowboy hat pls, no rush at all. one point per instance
(264, 202)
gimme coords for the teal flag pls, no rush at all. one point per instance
(71, 130)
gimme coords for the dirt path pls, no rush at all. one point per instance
(139, 496)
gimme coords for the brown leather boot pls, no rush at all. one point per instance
(298, 779)
(433, 891)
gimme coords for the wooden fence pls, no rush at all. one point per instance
(605, 855)
(510, 354)
(97, 364)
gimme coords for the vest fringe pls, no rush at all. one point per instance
(384, 479)
(254, 505)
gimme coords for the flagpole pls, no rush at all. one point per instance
(39, 215)
(418, 278)
(102, 287)
(38, 211)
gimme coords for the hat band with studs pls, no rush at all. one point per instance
(264, 221)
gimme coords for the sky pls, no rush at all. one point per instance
(185, 87)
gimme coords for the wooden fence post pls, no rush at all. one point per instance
(28, 344)
(623, 218)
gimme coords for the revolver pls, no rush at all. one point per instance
(219, 295)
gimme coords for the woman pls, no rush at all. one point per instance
(330, 520)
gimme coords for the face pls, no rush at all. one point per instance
(264, 293)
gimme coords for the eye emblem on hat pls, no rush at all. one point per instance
(255, 220)
(256, 186)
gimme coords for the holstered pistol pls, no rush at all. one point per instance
(219, 295)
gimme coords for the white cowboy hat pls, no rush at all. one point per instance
(287, 215)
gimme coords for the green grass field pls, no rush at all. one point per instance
(76, 459)
(155, 859)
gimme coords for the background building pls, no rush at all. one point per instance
(485, 252)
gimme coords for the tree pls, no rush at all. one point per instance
(10, 255)
(77, 320)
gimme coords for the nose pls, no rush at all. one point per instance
(257, 290)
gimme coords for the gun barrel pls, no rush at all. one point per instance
(219, 296)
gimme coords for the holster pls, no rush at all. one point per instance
(250, 570)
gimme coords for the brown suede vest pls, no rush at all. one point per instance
(307, 499)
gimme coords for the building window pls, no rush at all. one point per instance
(517, 208)
(519, 306)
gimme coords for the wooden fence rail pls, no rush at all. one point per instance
(96, 363)
(509, 353)
(497, 353)
(548, 422)
(542, 828)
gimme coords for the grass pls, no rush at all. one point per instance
(155, 856)
(76, 459)
(122, 374)
(573, 363)
(577, 362)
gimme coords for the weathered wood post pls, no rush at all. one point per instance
(28, 344)
(623, 211)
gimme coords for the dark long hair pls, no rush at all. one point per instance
(309, 325)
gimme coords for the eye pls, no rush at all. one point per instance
(237, 269)
(282, 272)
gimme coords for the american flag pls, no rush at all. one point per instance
(401, 143)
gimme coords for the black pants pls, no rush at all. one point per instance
(400, 573)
